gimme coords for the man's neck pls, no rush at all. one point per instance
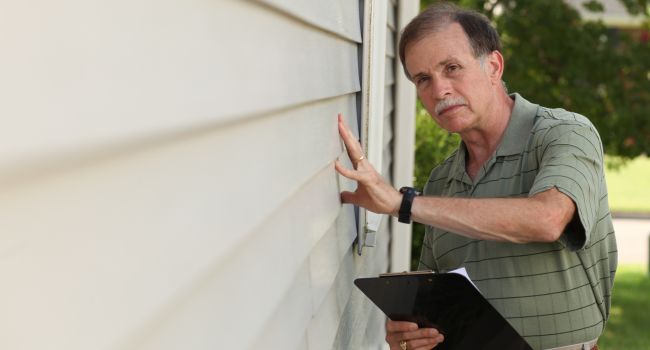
(482, 142)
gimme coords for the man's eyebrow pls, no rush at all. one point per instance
(419, 75)
(443, 63)
(448, 60)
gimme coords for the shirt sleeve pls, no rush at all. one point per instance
(570, 159)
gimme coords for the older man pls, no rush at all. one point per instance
(521, 204)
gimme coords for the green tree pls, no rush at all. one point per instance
(556, 59)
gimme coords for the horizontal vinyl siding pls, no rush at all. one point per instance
(362, 323)
(167, 177)
(116, 242)
(81, 78)
(268, 274)
(325, 258)
(331, 254)
(338, 17)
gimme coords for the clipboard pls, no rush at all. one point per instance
(448, 302)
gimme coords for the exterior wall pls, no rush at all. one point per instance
(403, 142)
(167, 180)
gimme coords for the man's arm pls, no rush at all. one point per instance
(540, 218)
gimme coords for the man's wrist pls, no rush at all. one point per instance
(408, 195)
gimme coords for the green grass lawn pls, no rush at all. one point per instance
(628, 327)
(629, 187)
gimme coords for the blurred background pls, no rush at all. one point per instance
(593, 58)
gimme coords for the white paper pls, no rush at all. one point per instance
(463, 272)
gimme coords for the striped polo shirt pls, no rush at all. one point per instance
(553, 294)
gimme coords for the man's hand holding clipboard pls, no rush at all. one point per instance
(444, 305)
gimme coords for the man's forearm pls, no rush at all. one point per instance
(541, 218)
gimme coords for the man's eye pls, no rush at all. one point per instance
(452, 68)
(422, 80)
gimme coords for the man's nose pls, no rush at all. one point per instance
(441, 88)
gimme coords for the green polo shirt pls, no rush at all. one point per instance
(553, 294)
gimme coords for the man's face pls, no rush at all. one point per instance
(456, 88)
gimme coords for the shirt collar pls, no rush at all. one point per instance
(519, 127)
(458, 166)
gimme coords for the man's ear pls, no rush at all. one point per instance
(495, 66)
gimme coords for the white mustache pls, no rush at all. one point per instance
(449, 102)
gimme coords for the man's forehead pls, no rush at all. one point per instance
(439, 48)
(452, 36)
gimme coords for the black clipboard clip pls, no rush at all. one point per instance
(406, 273)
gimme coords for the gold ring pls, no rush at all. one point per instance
(402, 345)
(361, 158)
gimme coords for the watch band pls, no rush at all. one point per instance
(407, 202)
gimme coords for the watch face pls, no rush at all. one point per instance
(406, 188)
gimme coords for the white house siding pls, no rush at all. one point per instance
(362, 323)
(167, 181)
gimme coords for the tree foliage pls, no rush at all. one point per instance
(556, 59)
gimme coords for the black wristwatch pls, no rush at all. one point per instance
(407, 202)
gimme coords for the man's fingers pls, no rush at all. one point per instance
(423, 336)
(351, 143)
(422, 333)
(348, 197)
(400, 326)
(425, 344)
(350, 174)
(345, 131)
(421, 339)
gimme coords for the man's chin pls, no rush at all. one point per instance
(454, 128)
(452, 124)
